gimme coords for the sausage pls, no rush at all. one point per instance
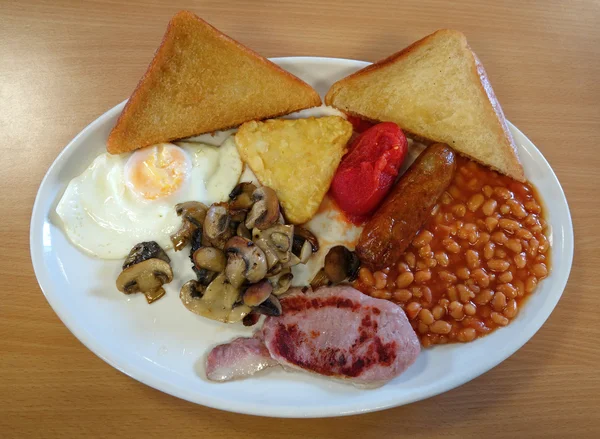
(393, 226)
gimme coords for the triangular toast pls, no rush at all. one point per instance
(297, 158)
(200, 81)
(437, 90)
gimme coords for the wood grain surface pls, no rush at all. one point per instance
(64, 63)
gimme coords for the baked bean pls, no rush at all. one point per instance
(442, 258)
(505, 277)
(487, 190)
(423, 238)
(366, 277)
(489, 207)
(380, 279)
(422, 328)
(530, 284)
(466, 335)
(404, 279)
(469, 309)
(440, 327)
(531, 220)
(491, 223)
(533, 207)
(464, 293)
(452, 293)
(455, 192)
(451, 245)
(463, 273)
(412, 309)
(481, 277)
(402, 295)
(520, 260)
(430, 263)
(417, 292)
(459, 210)
(514, 245)
(498, 265)
(426, 317)
(509, 225)
(483, 239)
(446, 198)
(544, 244)
(455, 309)
(499, 319)
(425, 252)
(438, 312)
(503, 193)
(488, 250)
(402, 267)
(540, 271)
(427, 295)
(500, 253)
(517, 209)
(472, 259)
(410, 259)
(534, 245)
(499, 237)
(435, 209)
(381, 294)
(484, 297)
(505, 209)
(447, 277)
(520, 287)
(475, 202)
(511, 309)
(422, 276)
(524, 234)
(499, 301)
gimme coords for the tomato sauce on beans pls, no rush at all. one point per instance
(478, 257)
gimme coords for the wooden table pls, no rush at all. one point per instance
(62, 64)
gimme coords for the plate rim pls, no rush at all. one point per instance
(225, 404)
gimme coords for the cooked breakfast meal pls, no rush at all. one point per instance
(352, 234)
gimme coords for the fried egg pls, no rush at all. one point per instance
(121, 200)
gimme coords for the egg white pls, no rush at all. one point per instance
(103, 217)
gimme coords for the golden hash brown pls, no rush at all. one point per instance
(297, 158)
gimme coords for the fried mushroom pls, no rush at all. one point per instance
(193, 214)
(245, 261)
(216, 302)
(265, 210)
(146, 277)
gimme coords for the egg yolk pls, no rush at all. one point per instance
(157, 171)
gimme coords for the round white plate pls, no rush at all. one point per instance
(164, 346)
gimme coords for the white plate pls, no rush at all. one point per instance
(163, 345)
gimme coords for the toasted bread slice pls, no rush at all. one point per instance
(201, 81)
(296, 158)
(436, 89)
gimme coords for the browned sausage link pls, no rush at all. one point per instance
(406, 208)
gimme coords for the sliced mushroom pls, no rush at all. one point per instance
(241, 196)
(257, 293)
(193, 214)
(302, 235)
(270, 307)
(146, 277)
(245, 261)
(320, 280)
(144, 251)
(210, 258)
(281, 283)
(265, 210)
(216, 302)
(204, 276)
(217, 226)
(243, 231)
(251, 319)
(341, 264)
(277, 240)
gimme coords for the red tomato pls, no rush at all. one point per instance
(369, 169)
(359, 124)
